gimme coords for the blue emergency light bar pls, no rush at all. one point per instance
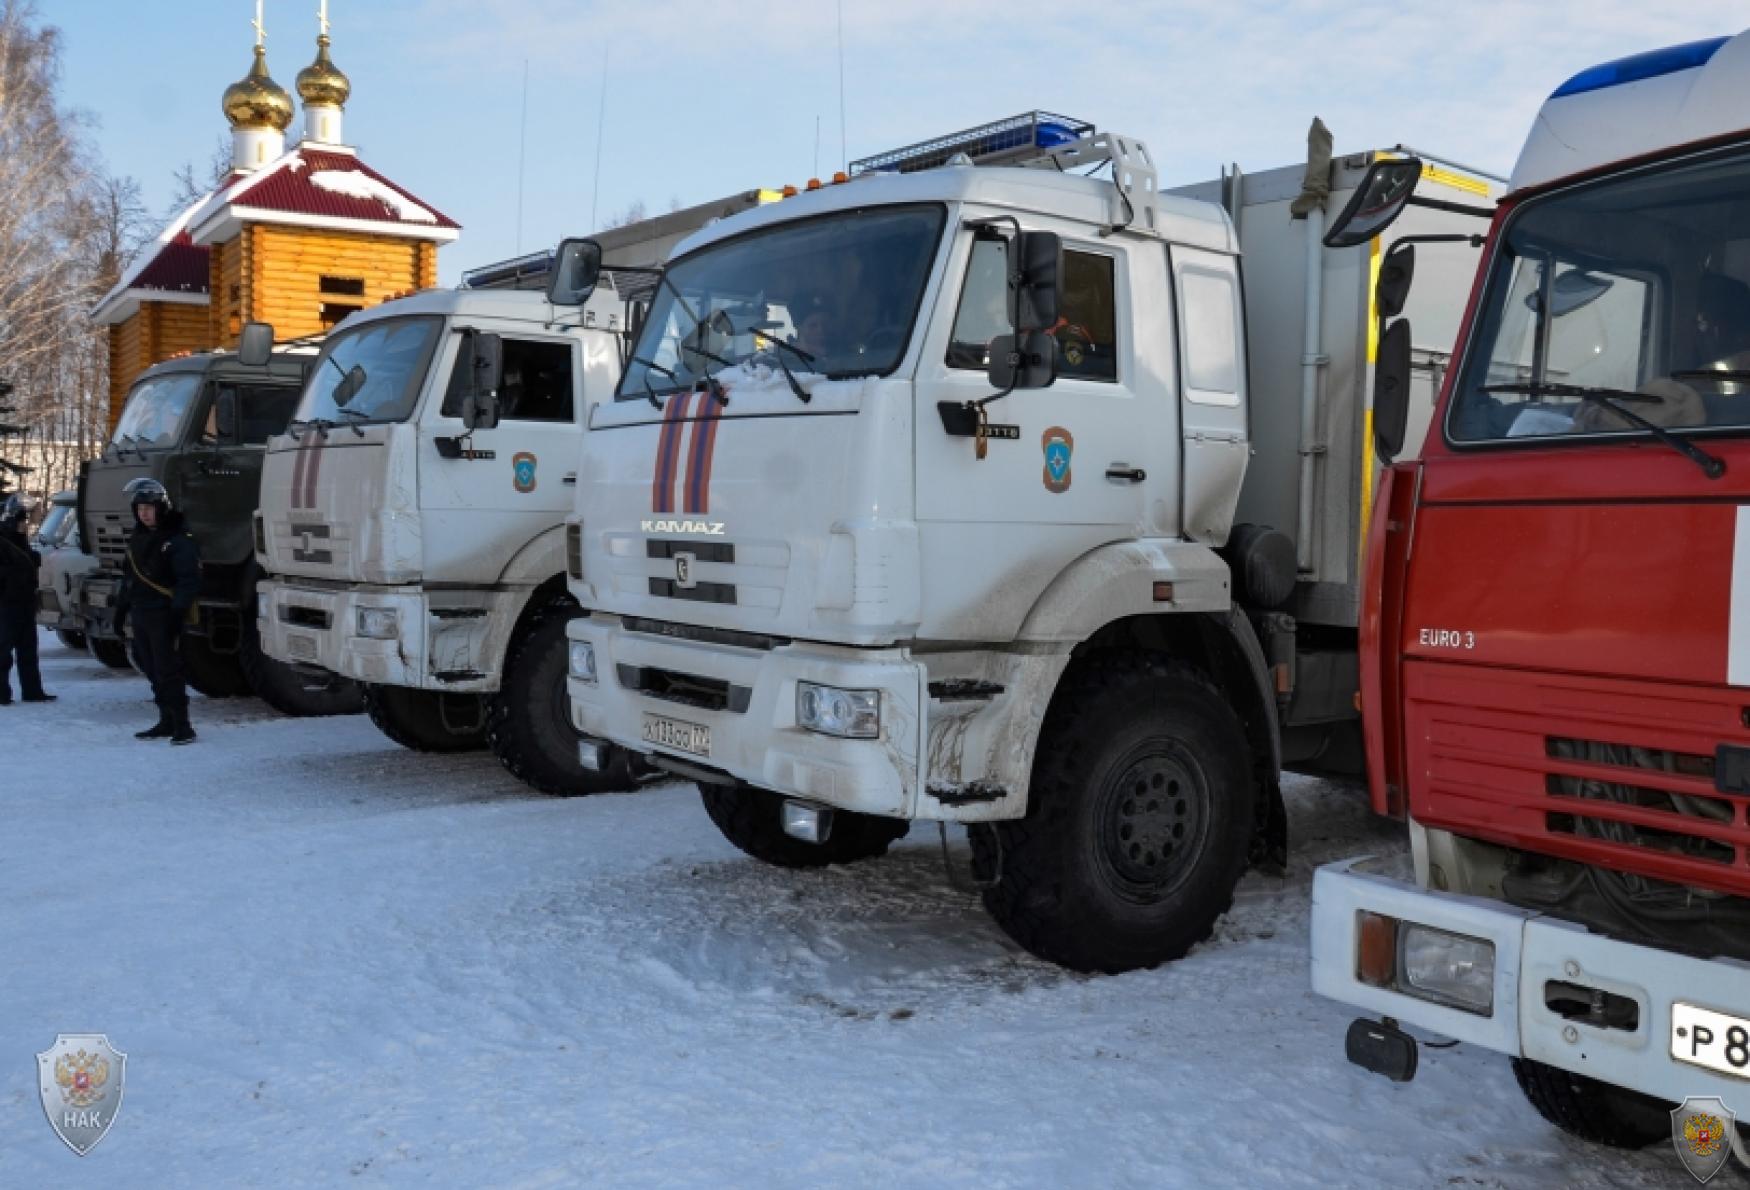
(1639, 67)
(1001, 141)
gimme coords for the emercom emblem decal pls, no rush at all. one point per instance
(1059, 446)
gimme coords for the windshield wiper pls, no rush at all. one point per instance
(320, 424)
(802, 394)
(122, 446)
(1612, 399)
(1712, 374)
(649, 367)
(354, 425)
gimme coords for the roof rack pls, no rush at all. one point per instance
(1040, 140)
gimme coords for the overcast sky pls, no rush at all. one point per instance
(709, 97)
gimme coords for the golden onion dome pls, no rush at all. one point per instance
(321, 83)
(256, 101)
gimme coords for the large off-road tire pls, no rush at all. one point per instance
(287, 690)
(752, 820)
(71, 639)
(214, 674)
(528, 722)
(1138, 820)
(1593, 1111)
(427, 720)
(113, 653)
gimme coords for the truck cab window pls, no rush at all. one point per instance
(1086, 331)
(263, 411)
(1628, 286)
(537, 383)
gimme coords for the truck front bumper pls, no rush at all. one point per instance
(744, 695)
(1532, 952)
(451, 640)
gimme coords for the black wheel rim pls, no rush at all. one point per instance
(1154, 816)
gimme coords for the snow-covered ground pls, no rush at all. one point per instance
(333, 961)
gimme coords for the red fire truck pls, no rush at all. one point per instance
(1556, 633)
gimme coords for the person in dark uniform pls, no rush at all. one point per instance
(161, 576)
(18, 567)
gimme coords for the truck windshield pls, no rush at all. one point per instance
(391, 357)
(155, 410)
(843, 290)
(1634, 288)
(54, 524)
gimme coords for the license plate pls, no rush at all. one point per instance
(97, 598)
(677, 734)
(303, 647)
(1711, 1040)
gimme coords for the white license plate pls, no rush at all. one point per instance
(677, 734)
(1712, 1040)
(303, 647)
(97, 598)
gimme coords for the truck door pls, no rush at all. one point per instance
(222, 468)
(1089, 460)
(513, 482)
(1213, 386)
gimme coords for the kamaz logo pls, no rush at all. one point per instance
(693, 528)
(304, 548)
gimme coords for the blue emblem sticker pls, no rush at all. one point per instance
(1059, 446)
(522, 471)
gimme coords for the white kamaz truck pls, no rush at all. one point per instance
(1008, 497)
(411, 520)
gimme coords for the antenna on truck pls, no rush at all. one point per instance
(1042, 140)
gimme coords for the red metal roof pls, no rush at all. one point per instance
(289, 188)
(180, 266)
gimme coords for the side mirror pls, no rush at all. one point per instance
(1376, 203)
(1571, 291)
(485, 373)
(225, 415)
(1395, 274)
(1391, 391)
(576, 269)
(255, 345)
(1028, 360)
(349, 386)
(1040, 256)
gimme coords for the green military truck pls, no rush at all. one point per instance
(199, 425)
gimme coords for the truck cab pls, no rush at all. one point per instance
(199, 425)
(916, 503)
(412, 516)
(1556, 645)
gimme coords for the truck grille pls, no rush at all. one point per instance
(1615, 773)
(109, 536)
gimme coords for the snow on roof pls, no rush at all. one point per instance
(359, 184)
(326, 186)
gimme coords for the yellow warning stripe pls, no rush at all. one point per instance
(1446, 177)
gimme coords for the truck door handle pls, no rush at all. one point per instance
(570, 479)
(1124, 474)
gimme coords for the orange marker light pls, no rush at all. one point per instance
(814, 183)
(1376, 959)
(790, 192)
(840, 176)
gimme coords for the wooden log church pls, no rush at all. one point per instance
(299, 238)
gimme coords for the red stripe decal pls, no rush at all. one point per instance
(668, 449)
(314, 469)
(699, 462)
(298, 476)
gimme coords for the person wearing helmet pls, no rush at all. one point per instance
(18, 567)
(160, 578)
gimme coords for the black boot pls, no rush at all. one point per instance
(184, 730)
(159, 730)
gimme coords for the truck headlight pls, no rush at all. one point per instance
(379, 623)
(583, 661)
(850, 714)
(1446, 968)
